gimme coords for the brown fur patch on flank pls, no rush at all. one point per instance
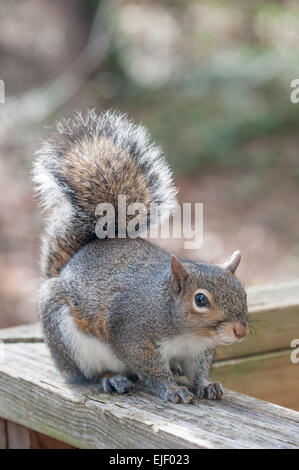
(95, 324)
(100, 328)
(82, 322)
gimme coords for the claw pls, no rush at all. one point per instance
(213, 391)
(180, 395)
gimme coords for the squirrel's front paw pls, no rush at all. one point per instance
(212, 391)
(180, 395)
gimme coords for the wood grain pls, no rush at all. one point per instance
(30, 333)
(3, 435)
(34, 395)
(17, 436)
(41, 441)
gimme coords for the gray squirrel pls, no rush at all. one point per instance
(117, 310)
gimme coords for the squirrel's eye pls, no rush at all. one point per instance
(201, 300)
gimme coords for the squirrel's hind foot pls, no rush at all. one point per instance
(117, 384)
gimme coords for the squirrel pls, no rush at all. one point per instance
(118, 310)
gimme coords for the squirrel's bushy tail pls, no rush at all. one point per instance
(91, 159)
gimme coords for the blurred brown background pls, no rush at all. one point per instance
(211, 80)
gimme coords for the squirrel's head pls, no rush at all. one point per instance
(209, 299)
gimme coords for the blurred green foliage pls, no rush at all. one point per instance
(223, 98)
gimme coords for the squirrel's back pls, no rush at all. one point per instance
(92, 159)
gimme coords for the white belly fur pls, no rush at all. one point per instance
(183, 348)
(90, 354)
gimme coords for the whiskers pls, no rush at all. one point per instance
(256, 331)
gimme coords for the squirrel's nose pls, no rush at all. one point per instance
(241, 330)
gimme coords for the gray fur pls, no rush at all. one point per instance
(50, 315)
(67, 218)
(118, 305)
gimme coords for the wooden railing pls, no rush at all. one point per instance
(37, 408)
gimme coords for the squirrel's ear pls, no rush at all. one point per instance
(179, 274)
(232, 262)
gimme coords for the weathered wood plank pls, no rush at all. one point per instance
(17, 436)
(269, 376)
(33, 394)
(41, 441)
(30, 333)
(282, 295)
(3, 434)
